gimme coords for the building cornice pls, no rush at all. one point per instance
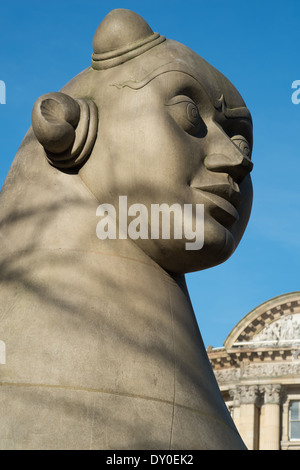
(220, 358)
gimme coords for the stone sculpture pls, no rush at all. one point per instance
(103, 350)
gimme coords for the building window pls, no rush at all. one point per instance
(295, 420)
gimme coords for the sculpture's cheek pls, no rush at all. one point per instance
(246, 189)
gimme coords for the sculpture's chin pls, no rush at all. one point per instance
(184, 256)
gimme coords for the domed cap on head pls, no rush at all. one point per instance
(121, 36)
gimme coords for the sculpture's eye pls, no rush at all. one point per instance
(193, 114)
(185, 112)
(242, 144)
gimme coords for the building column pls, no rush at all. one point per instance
(235, 412)
(248, 415)
(270, 423)
(285, 421)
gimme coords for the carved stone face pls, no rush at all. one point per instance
(172, 130)
(176, 132)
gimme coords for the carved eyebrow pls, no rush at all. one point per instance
(241, 112)
(180, 66)
(138, 84)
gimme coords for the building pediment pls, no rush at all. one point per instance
(273, 323)
(285, 331)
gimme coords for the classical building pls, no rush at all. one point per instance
(258, 372)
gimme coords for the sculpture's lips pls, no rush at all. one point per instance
(229, 191)
(225, 197)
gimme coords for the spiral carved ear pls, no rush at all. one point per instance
(66, 128)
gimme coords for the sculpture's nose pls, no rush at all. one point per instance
(237, 165)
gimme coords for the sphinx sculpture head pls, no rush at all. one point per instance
(172, 129)
(103, 350)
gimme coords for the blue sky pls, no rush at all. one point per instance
(43, 44)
